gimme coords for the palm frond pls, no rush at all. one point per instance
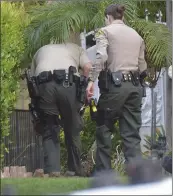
(130, 13)
(157, 38)
(55, 22)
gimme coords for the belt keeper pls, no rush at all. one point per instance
(130, 78)
(66, 77)
(125, 77)
(66, 82)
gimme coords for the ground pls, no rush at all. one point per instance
(46, 186)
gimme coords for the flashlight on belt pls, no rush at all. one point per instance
(93, 109)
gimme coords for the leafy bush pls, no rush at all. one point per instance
(148, 142)
(88, 145)
(11, 53)
(87, 138)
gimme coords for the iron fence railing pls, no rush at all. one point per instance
(25, 148)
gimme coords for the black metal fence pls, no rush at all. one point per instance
(25, 148)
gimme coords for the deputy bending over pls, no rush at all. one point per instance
(61, 90)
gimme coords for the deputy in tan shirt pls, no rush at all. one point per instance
(58, 97)
(121, 46)
(60, 56)
(123, 49)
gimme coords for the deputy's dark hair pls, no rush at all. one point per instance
(115, 10)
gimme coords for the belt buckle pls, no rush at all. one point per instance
(66, 84)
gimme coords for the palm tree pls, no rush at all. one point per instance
(57, 21)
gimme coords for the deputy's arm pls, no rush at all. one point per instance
(141, 59)
(85, 63)
(86, 66)
(101, 53)
(33, 66)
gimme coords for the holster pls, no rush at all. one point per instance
(32, 85)
(36, 120)
(34, 95)
(61, 76)
(104, 80)
(135, 78)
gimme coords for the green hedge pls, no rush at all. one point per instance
(12, 42)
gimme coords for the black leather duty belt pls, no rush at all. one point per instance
(59, 76)
(118, 77)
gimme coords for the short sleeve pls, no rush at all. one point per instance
(141, 59)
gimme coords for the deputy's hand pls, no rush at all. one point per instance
(90, 90)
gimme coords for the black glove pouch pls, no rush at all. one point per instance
(117, 78)
(59, 76)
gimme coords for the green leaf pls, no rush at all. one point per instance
(12, 41)
(6, 150)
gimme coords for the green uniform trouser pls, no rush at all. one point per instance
(124, 103)
(55, 99)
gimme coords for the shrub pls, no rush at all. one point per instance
(148, 141)
(11, 53)
(87, 138)
(88, 145)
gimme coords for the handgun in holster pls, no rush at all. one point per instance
(93, 109)
(104, 79)
(31, 83)
(34, 95)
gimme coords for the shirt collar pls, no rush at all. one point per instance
(117, 22)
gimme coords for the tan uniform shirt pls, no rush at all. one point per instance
(59, 56)
(121, 46)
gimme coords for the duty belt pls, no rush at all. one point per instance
(59, 76)
(118, 77)
(127, 77)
